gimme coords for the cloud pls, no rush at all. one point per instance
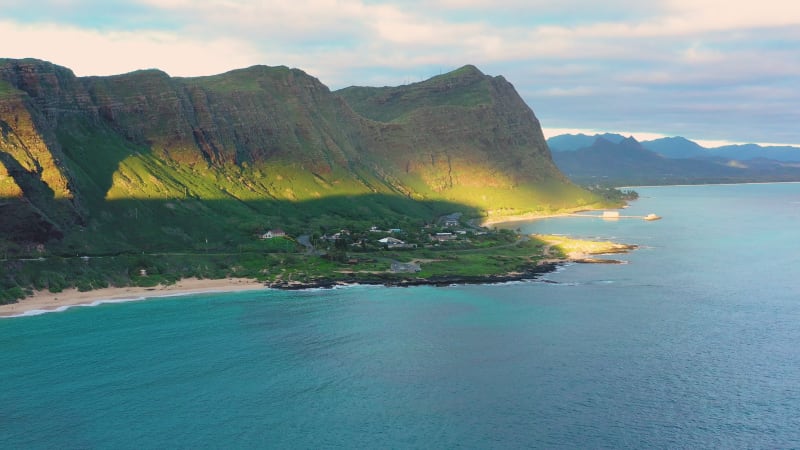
(716, 15)
(576, 91)
(675, 66)
(90, 52)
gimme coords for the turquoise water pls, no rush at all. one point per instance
(693, 344)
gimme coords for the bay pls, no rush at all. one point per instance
(692, 343)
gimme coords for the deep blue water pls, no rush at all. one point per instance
(693, 344)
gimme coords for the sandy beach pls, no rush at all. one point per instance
(48, 301)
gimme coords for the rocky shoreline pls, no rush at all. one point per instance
(408, 279)
(44, 301)
(394, 280)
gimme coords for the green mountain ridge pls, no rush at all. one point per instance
(147, 161)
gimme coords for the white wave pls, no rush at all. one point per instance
(38, 312)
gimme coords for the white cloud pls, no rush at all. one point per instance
(575, 91)
(619, 62)
(716, 15)
(301, 20)
(90, 52)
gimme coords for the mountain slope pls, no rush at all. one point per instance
(676, 147)
(751, 151)
(146, 161)
(466, 137)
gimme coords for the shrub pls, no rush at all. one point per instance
(11, 295)
(83, 285)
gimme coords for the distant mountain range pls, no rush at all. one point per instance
(617, 160)
(680, 147)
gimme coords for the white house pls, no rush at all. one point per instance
(273, 233)
(390, 240)
(395, 243)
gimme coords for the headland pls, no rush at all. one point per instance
(518, 261)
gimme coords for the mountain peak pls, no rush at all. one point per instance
(464, 87)
(463, 75)
(630, 140)
(468, 69)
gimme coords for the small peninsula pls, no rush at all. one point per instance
(462, 255)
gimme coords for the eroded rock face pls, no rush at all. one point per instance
(271, 133)
(245, 116)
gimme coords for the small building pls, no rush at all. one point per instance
(391, 241)
(277, 232)
(441, 237)
(451, 220)
(610, 215)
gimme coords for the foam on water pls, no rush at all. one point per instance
(99, 302)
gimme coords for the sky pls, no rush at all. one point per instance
(715, 71)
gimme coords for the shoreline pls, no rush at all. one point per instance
(42, 302)
(706, 184)
(46, 301)
(389, 280)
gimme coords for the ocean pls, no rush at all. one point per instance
(694, 343)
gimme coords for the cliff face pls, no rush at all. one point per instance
(245, 116)
(267, 139)
(462, 129)
(36, 199)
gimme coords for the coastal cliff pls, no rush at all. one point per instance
(145, 161)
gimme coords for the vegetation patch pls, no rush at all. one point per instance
(432, 254)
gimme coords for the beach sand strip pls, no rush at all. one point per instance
(48, 301)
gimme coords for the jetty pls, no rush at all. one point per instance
(615, 215)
